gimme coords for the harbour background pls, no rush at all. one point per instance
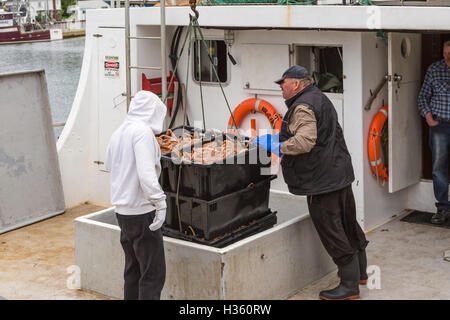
(61, 61)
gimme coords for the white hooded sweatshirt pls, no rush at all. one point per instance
(133, 157)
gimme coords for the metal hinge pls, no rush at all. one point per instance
(97, 35)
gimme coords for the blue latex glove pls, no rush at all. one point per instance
(271, 142)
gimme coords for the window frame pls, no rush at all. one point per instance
(312, 69)
(228, 65)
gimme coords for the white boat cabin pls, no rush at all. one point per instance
(359, 45)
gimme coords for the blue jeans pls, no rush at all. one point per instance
(439, 144)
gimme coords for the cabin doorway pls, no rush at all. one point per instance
(432, 45)
(404, 59)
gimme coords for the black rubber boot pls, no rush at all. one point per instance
(348, 288)
(362, 259)
(439, 217)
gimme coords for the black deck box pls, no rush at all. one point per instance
(211, 218)
(247, 230)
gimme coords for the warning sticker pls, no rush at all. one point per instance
(112, 67)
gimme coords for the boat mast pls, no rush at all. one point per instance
(28, 15)
(55, 16)
(17, 17)
(46, 11)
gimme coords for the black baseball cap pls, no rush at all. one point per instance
(296, 72)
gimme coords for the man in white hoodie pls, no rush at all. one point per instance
(133, 159)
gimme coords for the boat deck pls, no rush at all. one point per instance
(35, 259)
(411, 264)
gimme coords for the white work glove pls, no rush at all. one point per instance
(160, 217)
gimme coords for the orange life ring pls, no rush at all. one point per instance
(253, 105)
(374, 144)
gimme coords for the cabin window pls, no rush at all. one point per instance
(325, 65)
(218, 53)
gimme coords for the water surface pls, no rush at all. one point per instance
(61, 60)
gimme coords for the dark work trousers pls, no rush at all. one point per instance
(334, 217)
(145, 265)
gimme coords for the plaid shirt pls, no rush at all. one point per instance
(435, 94)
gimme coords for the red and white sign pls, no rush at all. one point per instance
(111, 67)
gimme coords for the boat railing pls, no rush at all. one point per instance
(9, 29)
(58, 124)
(66, 26)
(416, 3)
(425, 3)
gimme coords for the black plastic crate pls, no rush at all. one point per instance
(209, 181)
(209, 219)
(242, 232)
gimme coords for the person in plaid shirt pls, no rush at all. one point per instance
(434, 106)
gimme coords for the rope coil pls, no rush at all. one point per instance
(194, 30)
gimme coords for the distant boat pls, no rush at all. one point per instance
(137, 3)
(14, 34)
(13, 31)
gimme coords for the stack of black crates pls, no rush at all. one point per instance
(219, 203)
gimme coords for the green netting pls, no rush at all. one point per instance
(294, 2)
(216, 2)
(327, 82)
(383, 36)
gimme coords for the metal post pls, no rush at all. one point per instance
(163, 50)
(127, 52)
(46, 11)
(55, 15)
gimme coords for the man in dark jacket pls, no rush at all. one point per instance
(316, 163)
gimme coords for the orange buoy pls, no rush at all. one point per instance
(254, 105)
(379, 168)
